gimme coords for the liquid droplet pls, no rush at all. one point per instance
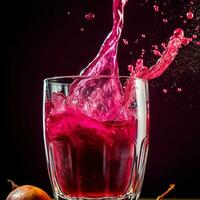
(163, 45)
(179, 89)
(143, 35)
(130, 68)
(136, 41)
(165, 20)
(142, 53)
(184, 21)
(82, 29)
(179, 32)
(139, 61)
(155, 46)
(125, 41)
(198, 43)
(157, 53)
(197, 28)
(165, 91)
(194, 36)
(191, 2)
(189, 15)
(89, 16)
(156, 8)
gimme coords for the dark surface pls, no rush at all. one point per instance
(42, 40)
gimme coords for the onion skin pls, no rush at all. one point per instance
(28, 192)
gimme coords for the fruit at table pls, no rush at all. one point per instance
(28, 192)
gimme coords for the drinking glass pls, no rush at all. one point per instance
(96, 136)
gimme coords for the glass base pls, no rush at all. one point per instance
(129, 196)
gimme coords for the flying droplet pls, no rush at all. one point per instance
(165, 91)
(179, 89)
(184, 21)
(198, 43)
(125, 41)
(136, 41)
(165, 20)
(197, 28)
(142, 53)
(179, 32)
(143, 35)
(163, 45)
(130, 68)
(156, 8)
(191, 2)
(89, 16)
(155, 46)
(157, 53)
(194, 36)
(189, 15)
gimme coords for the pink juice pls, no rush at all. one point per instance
(91, 143)
(91, 158)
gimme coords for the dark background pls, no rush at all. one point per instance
(42, 40)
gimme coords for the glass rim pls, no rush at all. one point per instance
(91, 76)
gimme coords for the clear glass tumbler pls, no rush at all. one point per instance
(96, 136)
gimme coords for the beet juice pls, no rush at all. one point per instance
(96, 126)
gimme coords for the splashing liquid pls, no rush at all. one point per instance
(102, 123)
(166, 58)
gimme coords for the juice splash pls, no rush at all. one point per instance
(105, 63)
(176, 41)
(92, 132)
